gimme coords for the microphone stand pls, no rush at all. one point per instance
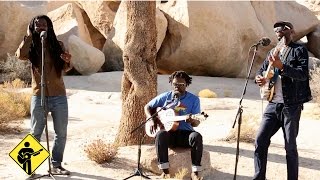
(240, 110)
(138, 171)
(43, 105)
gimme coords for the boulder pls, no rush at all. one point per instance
(85, 58)
(64, 22)
(54, 4)
(179, 159)
(14, 18)
(313, 44)
(87, 32)
(204, 38)
(101, 13)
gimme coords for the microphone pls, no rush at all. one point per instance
(176, 96)
(43, 34)
(175, 101)
(263, 41)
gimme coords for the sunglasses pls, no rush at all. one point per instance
(281, 28)
(178, 84)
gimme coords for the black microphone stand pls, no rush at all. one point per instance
(138, 171)
(240, 110)
(43, 104)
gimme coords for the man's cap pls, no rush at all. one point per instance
(283, 23)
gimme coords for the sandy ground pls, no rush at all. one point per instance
(95, 110)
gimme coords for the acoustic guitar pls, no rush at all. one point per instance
(26, 156)
(170, 122)
(267, 90)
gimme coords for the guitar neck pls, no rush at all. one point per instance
(268, 70)
(183, 118)
(275, 52)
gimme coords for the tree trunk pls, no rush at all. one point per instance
(139, 80)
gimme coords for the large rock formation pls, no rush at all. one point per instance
(101, 13)
(213, 38)
(14, 18)
(64, 22)
(205, 40)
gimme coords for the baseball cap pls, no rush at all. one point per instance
(283, 24)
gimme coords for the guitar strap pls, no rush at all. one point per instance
(283, 58)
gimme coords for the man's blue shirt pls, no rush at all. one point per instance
(188, 104)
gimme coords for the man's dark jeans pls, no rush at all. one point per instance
(179, 138)
(276, 116)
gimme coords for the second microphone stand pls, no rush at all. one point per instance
(138, 171)
(240, 110)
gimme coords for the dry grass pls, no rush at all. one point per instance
(13, 68)
(13, 106)
(248, 129)
(181, 174)
(15, 84)
(207, 93)
(101, 152)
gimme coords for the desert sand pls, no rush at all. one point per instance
(95, 110)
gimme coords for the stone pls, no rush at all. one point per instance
(179, 158)
(85, 58)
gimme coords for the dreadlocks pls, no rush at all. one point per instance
(53, 45)
(181, 74)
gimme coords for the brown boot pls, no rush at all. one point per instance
(195, 176)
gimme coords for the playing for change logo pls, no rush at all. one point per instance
(29, 154)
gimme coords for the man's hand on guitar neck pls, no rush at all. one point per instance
(193, 122)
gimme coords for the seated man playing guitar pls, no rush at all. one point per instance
(184, 136)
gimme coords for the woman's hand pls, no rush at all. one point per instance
(66, 57)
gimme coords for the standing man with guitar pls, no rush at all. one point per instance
(291, 90)
(185, 136)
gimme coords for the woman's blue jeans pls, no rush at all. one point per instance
(276, 116)
(58, 106)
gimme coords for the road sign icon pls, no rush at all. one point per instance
(29, 154)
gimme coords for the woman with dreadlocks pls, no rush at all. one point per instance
(185, 135)
(56, 60)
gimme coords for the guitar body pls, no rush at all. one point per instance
(266, 92)
(21, 160)
(169, 121)
(27, 156)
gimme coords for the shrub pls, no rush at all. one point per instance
(101, 152)
(248, 129)
(17, 83)
(13, 107)
(13, 68)
(207, 93)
